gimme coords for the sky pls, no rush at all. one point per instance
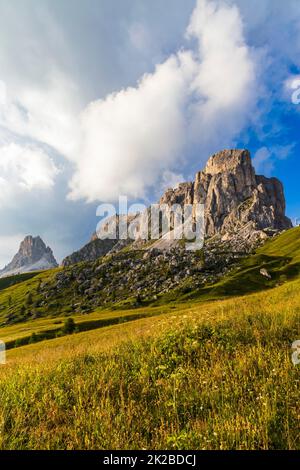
(103, 98)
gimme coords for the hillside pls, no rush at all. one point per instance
(149, 281)
(215, 375)
(280, 256)
(241, 209)
(178, 373)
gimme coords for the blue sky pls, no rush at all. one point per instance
(108, 97)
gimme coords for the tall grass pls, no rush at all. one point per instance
(217, 377)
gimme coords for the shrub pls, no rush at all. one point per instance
(69, 326)
(33, 338)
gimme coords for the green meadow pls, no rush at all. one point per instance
(209, 370)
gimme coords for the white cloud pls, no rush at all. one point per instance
(131, 137)
(126, 142)
(24, 169)
(226, 79)
(47, 114)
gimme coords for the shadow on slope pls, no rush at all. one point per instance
(280, 257)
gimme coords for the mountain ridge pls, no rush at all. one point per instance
(241, 208)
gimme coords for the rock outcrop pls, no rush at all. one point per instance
(238, 203)
(242, 209)
(33, 255)
(89, 252)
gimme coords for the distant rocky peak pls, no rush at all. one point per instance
(33, 255)
(30, 246)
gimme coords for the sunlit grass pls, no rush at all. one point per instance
(214, 375)
(280, 256)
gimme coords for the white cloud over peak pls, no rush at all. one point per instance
(200, 96)
(185, 86)
(203, 96)
(131, 136)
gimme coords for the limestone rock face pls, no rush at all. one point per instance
(237, 201)
(33, 255)
(241, 208)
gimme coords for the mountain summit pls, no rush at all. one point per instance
(242, 209)
(33, 255)
(239, 205)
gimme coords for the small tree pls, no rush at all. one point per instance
(33, 338)
(69, 326)
(19, 342)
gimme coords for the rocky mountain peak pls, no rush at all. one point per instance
(239, 205)
(33, 255)
(241, 208)
(229, 161)
(32, 246)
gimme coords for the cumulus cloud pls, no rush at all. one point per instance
(24, 169)
(130, 137)
(226, 81)
(201, 95)
(46, 114)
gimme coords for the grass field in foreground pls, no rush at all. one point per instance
(215, 375)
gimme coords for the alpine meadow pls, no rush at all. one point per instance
(150, 236)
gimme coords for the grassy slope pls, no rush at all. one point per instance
(10, 281)
(211, 375)
(46, 328)
(281, 257)
(215, 375)
(14, 297)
